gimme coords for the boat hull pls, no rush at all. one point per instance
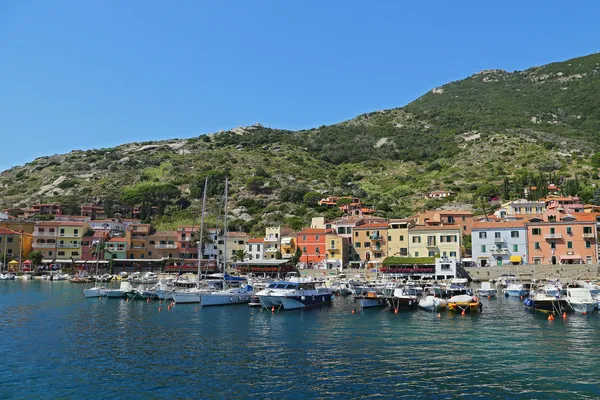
(94, 292)
(583, 308)
(186, 297)
(224, 299)
(551, 306)
(372, 302)
(487, 292)
(516, 292)
(466, 307)
(295, 302)
(116, 293)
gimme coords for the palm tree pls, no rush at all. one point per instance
(240, 255)
(206, 239)
(98, 249)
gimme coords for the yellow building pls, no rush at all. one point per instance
(288, 246)
(434, 241)
(235, 241)
(370, 242)
(14, 246)
(336, 249)
(397, 236)
(59, 240)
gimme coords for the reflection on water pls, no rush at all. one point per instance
(59, 344)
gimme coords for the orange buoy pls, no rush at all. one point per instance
(159, 308)
(521, 298)
(353, 311)
(148, 300)
(273, 309)
(550, 317)
(463, 312)
(396, 311)
(564, 315)
(439, 315)
(489, 297)
(584, 313)
(160, 302)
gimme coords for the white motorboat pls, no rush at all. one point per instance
(486, 290)
(120, 292)
(594, 288)
(97, 291)
(239, 295)
(552, 290)
(294, 295)
(7, 277)
(580, 300)
(432, 303)
(515, 290)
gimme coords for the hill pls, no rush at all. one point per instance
(490, 134)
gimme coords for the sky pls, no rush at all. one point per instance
(97, 73)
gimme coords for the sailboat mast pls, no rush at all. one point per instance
(225, 230)
(201, 228)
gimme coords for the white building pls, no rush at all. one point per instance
(255, 248)
(499, 243)
(112, 225)
(272, 240)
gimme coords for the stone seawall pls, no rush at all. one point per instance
(564, 272)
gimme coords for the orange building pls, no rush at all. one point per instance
(312, 243)
(137, 240)
(562, 239)
(370, 242)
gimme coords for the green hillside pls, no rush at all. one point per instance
(490, 134)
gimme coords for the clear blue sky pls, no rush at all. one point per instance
(89, 74)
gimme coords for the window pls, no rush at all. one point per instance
(569, 245)
(75, 254)
(552, 231)
(62, 231)
(9, 239)
(483, 248)
(317, 250)
(356, 234)
(416, 239)
(536, 231)
(368, 233)
(536, 246)
(249, 247)
(444, 254)
(514, 234)
(377, 255)
(304, 238)
(453, 253)
(587, 229)
(367, 244)
(149, 253)
(497, 235)
(569, 230)
(152, 242)
(416, 254)
(553, 245)
(61, 253)
(317, 238)
(451, 219)
(50, 253)
(332, 254)
(76, 231)
(515, 247)
(114, 256)
(482, 235)
(588, 244)
(341, 230)
(401, 238)
(304, 249)
(464, 218)
(403, 251)
(432, 254)
(183, 236)
(357, 245)
(389, 238)
(464, 228)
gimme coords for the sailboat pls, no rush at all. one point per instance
(193, 295)
(230, 294)
(98, 290)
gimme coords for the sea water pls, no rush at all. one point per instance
(54, 343)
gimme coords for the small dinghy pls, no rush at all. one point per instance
(431, 303)
(464, 303)
(486, 290)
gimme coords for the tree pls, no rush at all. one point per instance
(596, 197)
(293, 193)
(487, 191)
(36, 258)
(255, 184)
(278, 255)
(312, 198)
(98, 249)
(240, 256)
(296, 258)
(206, 239)
(595, 160)
(506, 189)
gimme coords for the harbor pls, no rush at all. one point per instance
(187, 350)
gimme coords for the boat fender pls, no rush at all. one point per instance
(303, 298)
(231, 299)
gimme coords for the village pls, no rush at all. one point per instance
(553, 230)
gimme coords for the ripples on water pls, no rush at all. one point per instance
(55, 343)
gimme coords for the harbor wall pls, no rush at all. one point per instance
(562, 271)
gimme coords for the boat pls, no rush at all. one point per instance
(552, 289)
(580, 300)
(486, 290)
(515, 289)
(96, 291)
(594, 288)
(290, 295)
(231, 295)
(540, 301)
(371, 297)
(405, 298)
(120, 292)
(432, 303)
(7, 277)
(464, 303)
(147, 278)
(341, 288)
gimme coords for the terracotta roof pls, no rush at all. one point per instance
(236, 234)
(435, 228)
(450, 212)
(580, 216)
(117, 240)
(256, 240)
(372, 225)
(61, 223)
(308, 231)
(499, 225)
(6, 231)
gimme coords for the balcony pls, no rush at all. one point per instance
(375, 236)
(70, 235)
(332, 248)
(44, 245)
(68, 246)
(498, 240)
(138, 247)
(500, 252)
(431, 244)
(271, 250)
(165, 246)
(553, 236)
(589, 235)
(271, 239)
(45, 234)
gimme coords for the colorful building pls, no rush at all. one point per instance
(499, 243)
(163, 244)
(336, 248)
(272, 240)
(227, 246)
(312, 243)
(288, 246)
(116, 249)
(562, 239)
(255, 248)
(59, 240)
(434, 241)
(14, 246)
(90, 238)
(137, 241)
(398, 237)
(370, 242)
(186, 245)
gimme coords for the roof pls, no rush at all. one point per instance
(582, 216)
(61, 223)
(117, 240)
(434, 228)
(308, 231)
(372, 225)
(444, 212)
(256, 240)
(236, 234)
(6, 231)
(499, 225)
(164, 233)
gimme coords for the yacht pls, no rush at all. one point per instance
(294, 295)
(405, 298)
(234, 294)
(96, 291)
(120, 292)
(515, 289)
(580, 300)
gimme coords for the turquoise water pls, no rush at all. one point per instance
(57, 344)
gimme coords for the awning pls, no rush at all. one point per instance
(286, 240)
(13, 262)
(516, 259)
(573, 257)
